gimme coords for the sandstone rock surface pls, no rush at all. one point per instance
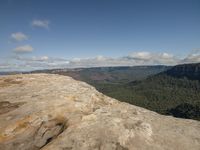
(53, 112)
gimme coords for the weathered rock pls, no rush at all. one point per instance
(53, 112)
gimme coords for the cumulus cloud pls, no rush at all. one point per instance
(18, 36)
(193, 57)
(43, 58)
(134, 59)
(23, 49)
(153, 58)
(140, 55)
(40, 23)
(42, 62)
(4, 66)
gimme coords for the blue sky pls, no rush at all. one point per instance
(36, 34)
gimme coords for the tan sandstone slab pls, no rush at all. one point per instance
(53, 112)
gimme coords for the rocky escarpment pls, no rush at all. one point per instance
(53, 112)
(190, 71)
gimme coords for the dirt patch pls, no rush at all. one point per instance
(6, 106)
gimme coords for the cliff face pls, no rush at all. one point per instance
(53, 112)
(190, 71)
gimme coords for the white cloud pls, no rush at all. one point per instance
(136, 58)
(43, 62)
(40, 23)
(32, 59)
(43, 58)
(193, 57)
(76, 60)
(23, 49)
(150, 58)
(18, 36)
(166, 56)
(141, 55)
(100, 58)
(133, 59)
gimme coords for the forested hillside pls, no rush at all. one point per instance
(161, 93)
(189, 71)
(173, 92)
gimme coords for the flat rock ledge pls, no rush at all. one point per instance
(53, 112)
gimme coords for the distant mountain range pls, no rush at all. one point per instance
(109, 74)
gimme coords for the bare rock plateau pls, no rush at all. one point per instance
(54, 112)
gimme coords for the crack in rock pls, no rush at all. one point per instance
(48, 131)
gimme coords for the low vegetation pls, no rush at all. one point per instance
(161, 93)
